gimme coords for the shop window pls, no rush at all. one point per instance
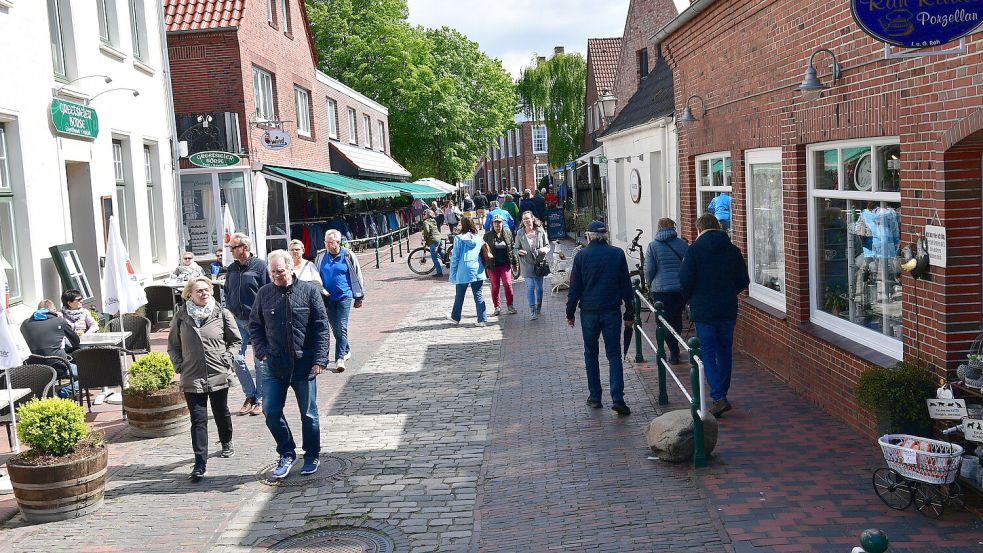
(263, 95)
(138, 30)
(367, 125)
(332, 119)
(302, 107)
(352, 127)
(855, 211)
(766, 233)
(713, 188)
(382, 136)
(8, 229)
(539, 141)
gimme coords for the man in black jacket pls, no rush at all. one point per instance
(289, 329)
(539, 205)
(244, 278)
(480, 204)
(527, 204)
(47, 333)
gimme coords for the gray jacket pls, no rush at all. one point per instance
(527, 263)
(203, 355)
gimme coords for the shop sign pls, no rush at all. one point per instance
(973, 430)
(74, 119)
(935, 237)
(947, 409)
(275, 139)
(636, 186)
(214, 159)
(917, 23)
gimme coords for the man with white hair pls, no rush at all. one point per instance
(343, 289)
(246, 275)
(289, 330)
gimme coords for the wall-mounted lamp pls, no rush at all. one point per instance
(641, 157)
(608, 102)
(132, 90)
(106, 78)
(811, 83)
(687, 116)
(204, 120)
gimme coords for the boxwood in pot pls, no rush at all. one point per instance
(896, 395)
(154, 404)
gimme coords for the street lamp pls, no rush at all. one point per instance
(608, 102)
(134, 91)
(106, 78)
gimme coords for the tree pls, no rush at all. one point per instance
(446, 98)
(552, 90)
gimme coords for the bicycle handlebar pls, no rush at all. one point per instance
(634, 242)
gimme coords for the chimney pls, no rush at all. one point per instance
(557, 50)
(541, 59)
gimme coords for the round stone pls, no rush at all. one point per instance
(332, 466)
(337, 540)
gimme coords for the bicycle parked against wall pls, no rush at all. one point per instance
(640, 266)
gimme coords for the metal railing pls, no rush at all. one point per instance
(697, 398)
(394, 238)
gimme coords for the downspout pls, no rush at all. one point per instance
(172, 126)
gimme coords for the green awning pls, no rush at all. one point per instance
(354, 188)
(418, 191)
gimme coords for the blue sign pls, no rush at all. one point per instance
(917, 23)
(555, 224)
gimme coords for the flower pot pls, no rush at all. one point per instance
(47, 493)
(157, 414)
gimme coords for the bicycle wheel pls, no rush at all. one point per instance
(892, 488)
(420, 261)
(957, 500)
(930, 500)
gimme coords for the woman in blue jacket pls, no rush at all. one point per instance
(662, 262)
(467, 270)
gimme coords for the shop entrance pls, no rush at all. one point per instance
(204, 196)
(86, 231)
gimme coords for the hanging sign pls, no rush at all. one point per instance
(917, 23)
(946, 409)
(973, 430)
(214, 159)
(935, 236)
(74, 119)
(275, 139)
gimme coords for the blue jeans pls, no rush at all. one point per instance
(276, 396)
(608, 324)
(436, 257)
(338, 312)
(534, 291)
(479, 301)
(673, 304)
(717, 351)
(252, 390)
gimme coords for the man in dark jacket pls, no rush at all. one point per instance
(289, 330)
(662, 261)
(713, 273)
(242, 281)
(480, 204)
(599, 284)
(527, 204)
(47, 333)
(539, 206)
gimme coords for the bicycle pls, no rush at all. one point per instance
(420, 261)
(640, 267)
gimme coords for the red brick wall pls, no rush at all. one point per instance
(199, 62)
(744, 59)
(645, 17)
(524, 162)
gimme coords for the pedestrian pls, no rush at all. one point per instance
(662, 261)
(439, 218)
(532, 245)
(303, 269)
(467, 206)
(245, 276)
(599, 284)
(289, 328)
(452, 215)
(511, 207)
(202, 342)
(539, 205)
(719, 207)
(76, 314)
(712, 274)
(343, 289)
(499, 266)
(499, 212)
(187, 269)
(526, 203)
(431, 239)
(467, 270)
(480, 204)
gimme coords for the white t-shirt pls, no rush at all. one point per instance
(307, 272)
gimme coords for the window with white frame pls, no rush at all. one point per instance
(302, 105)
(106, 12)
(119, 171)
(590, 119)
(9, 263)
(382, 136)
(713, 188)
(518, 141)
(854, 222)
(539, 142)
(138, 30)
(501, 147)
(153, 211)
(511, 176)
(352, 127)
(765, 226)
(520, 181)
(508, 143)
(285, 15)
(269, 12)
(367, 125)
(263, 95)
(332, 119)
(542, 169)
(58, 19)
(490, 179)
(488, 152)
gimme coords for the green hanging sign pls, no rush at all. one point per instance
(214, 159)
(74, 119)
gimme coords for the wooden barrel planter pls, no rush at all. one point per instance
(47, 493)
(159, 414)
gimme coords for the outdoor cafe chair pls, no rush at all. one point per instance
(160, 299)
(40, 379)
(62, 369)
(98, 367)
(138, 343)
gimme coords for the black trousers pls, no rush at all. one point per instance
(673, 303)
(198, 406)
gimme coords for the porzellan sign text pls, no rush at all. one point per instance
(917, 23)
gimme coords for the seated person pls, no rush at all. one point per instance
(78, 317)
(46, 333)
(188, 269)
(217, 267)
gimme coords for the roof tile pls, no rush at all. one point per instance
(602, 58)
(191, 15)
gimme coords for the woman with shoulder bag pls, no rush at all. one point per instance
(202, 343)
(532, 245)
(467, 269)
(498, 261)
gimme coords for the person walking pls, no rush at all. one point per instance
(467, 270)
(451, 215)
(431, 239)
(202, 342)
(245, 276)
(289, 330)
(511, 207)
(467, 206)
(539, 205)
(712, 274)
(303, 269)
(599, 285)
(438, 214)
(480, 204)
(343, 289)
(662, 261)
(499, 212)
(526, 203)
(499, 242)
(532, 245)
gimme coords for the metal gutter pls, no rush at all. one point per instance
(695, 9)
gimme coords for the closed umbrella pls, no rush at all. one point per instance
(228, 228)
(10, 355)
(629, 333)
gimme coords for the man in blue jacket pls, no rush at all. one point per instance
(244, 278)
(662, 261)
(505, 215)
(289, 329)
(713, 273)
(599, 284)
(539, 205)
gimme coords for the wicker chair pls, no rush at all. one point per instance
(39, 378)
(160, 299)
(98, 367)
(139, 328)
(62, 369)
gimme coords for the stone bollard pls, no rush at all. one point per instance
(872, 540)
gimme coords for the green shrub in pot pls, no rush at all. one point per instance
(151, 373)
(51, 425)
(896, 395)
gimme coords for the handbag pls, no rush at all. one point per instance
(542, 268)
(486, 255)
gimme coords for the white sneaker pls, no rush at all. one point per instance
(497, 312)
(339, 366)
(479, 323)
(451, 319)
(348, 355)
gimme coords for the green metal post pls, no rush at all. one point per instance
(391, 256)
(638, 322)
(376, 252)
(873, 541)
(407, 239)
(699, 454)
(660, 337)
(399, 238)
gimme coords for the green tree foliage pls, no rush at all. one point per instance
(447, 99)
(553, 91)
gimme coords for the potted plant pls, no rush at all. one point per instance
(63, 475)
(154, 404)
(834, 299)
(896, 395)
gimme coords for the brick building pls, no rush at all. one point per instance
(517, 159)
(245, 83)
(827, 190)
(603, 55)
(637, 54)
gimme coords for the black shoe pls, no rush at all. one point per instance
(673, 359)
(228, 450)
(197, 473)
(594, 403)
(620, 408)
(720, 407)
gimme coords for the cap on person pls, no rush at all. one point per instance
(498, 217)
(597, 226)
(428, 213)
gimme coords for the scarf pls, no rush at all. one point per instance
(73, 315)
(199, 313)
